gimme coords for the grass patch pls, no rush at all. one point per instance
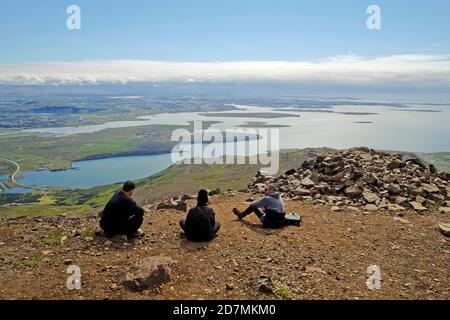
(283, 292)
(29, 262)
(51, 239)
(40, 210)
(87, 234)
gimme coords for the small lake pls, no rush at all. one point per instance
(98, 172)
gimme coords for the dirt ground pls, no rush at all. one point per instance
(326, 258)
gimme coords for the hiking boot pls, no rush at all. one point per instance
(238, 213)
(137, 234)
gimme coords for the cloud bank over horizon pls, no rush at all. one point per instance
(410, 70)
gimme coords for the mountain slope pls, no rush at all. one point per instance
(326, 258)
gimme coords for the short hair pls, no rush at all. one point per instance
(202, 198)
(128, 186)
(271, 187)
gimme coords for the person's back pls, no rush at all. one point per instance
(200, 223)
(121, 214)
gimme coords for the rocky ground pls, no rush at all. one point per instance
(326, 258)
(362, 178)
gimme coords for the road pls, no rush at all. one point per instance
(16, 173)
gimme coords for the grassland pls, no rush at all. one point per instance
(33, 151)
(176, 180)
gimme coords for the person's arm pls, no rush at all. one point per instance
(260, 203)
(212, 217)
(133, 208)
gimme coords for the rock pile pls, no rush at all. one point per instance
(364, 178)
(180, 203)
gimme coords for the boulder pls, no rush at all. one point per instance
(263, 284)
(149, 273)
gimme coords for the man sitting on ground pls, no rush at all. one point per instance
(122, 216)
(272, 203)
(200, 224)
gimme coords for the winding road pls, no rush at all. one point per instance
(16, 173)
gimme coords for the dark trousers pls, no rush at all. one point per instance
(269, 218)
(215, 229)
(130, 226)
(252, 209)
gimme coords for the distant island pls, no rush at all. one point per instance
(262, 115)
(257, 124)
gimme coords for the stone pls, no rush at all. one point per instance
(216, 192)
(371, 207)
(430, 188)
(400, 199)
(373, 179)
(395, 207)
(444, 209)
(307, 182)
(63, 239)
(401, 220)
(394, 189)
(444, 228)
(301, 192)
(353, 192)
(263, 284)
(420, 199)
(417, 206)
(68, 262)
(411, 158)
(149, 273)
(370, 197)
(335, 208)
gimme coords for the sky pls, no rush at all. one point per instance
(323, 41)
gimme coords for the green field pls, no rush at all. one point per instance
(176, 180)
(33, 151)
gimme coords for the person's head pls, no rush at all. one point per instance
(269, 189)
(128, 188)
(202, 198)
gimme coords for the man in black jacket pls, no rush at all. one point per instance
(200, 224)
(122, 215)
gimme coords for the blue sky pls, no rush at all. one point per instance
(208, 30)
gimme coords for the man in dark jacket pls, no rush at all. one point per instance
(122, 215)
(200, 224)
(272, 203)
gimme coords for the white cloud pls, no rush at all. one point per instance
(422, 70)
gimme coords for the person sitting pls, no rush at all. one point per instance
(272, 203)
(200, 224)
(122, 216)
